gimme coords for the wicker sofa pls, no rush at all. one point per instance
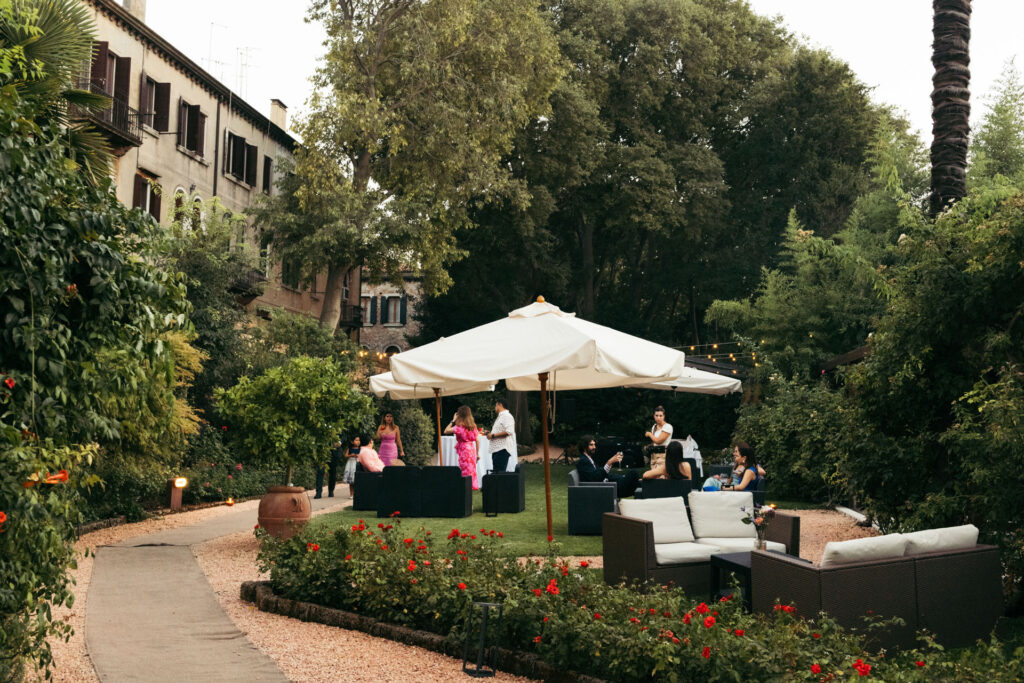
(660, 540)
(945, 583)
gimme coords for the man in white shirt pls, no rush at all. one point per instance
(503, 439)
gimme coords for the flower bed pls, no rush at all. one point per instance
(567, 616)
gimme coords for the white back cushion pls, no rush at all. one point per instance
(719, 514)
(949, 538)
(671, 525)
(863, 549)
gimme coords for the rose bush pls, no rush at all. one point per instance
(565, 613)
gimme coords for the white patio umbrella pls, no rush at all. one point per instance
(539, 347)
(697, 382)
(384, 384)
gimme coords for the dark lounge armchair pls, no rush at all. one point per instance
(588, 501)
(366, 485)
(664, 488)
(504, 491)
(445, 492)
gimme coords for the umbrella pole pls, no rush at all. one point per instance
(544, 431)
(437, 405)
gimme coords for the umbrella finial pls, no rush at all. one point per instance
(540, 299)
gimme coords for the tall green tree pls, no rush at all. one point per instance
(951, 101)
(416, 103)
(997, 148)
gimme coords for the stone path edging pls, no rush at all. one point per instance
(510, 661)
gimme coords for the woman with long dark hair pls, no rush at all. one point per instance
(745, 457)
(674, 467)
(390, 438)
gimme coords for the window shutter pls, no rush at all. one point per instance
(121, 83)
(154, 203)
(161, 115)
(404, 309)
(182, 118)
(140, 188)
(385, 309)
(147, 116)
(192, 131)
(251, 159)
(99, 64)
(373, 310)
(201, 136)
(268, 175)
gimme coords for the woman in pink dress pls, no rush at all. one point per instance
(466, 433)
(390, 438)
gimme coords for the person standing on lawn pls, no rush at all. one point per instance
(337, 454)
(390, 438)
(464, 428)
(589, 471)
(502, 437)
(351, 460)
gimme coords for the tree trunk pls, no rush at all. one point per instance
(951, 101)
(521, 412)
(330, 313)
(587, 248)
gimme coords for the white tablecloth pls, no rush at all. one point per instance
(450, 457)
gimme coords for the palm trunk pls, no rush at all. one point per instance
(951, 101)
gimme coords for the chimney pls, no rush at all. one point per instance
(137, 8)
(279, 114)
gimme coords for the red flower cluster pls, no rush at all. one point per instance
(788, 609)
(634, 620)
(815, 669)
(454, 533)
(9, 382)
(538, 592)
(918, 662)
(597, 615)
(726, 598)
(460, 552)
(396, 513)
(709, 622)
(407, 541)
(414, 581)
(3, 518)
(738, 632)
(862, 668)
(313, 547)
(584, 564)
(702, 608)
(816, 636)
(256, 527)
(686, 618)
(706, 654)
(552, 587)
(462, 586)
(412, 566)
(348, 557)
(536, 639)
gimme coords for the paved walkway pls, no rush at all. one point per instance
(152, 616)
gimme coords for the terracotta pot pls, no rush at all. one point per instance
(284, 510)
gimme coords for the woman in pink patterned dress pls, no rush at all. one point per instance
(466, 433)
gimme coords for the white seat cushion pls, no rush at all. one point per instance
(671, 525)
(674, 553)
(863, 549)
(934, 540)
(719, 514)
(734, 545)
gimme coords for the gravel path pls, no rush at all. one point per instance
(315, 652)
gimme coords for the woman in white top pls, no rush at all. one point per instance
(659, 435)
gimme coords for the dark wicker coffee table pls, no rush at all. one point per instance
(737, 564)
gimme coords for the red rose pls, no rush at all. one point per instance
(706, 654)
(596, 615)
(918, 662)
(412, 566)
(426, 563)
(675, 640)
(538, 592)
(429, 532)
(348, 557)
(686, 618)
(652, 611)
(453, 534)
(224, 428)
(703, 608)
(383, 547)
(462, 586)
(815, 669)
(738, 632)
(9, 382)
(544, 619)
(414, 581)
(256, 527)
(634, 620)
(709, 622)
(238, 467)
(460, 552)
(550, 538)
(667, 614)
(500, 535)
(536, 639)
(407, 541)
(816, 636)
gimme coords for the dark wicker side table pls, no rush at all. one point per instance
(737, 564)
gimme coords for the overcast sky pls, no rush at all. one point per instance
(886, 42)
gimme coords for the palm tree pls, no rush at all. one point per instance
(951, 101)
(53, 40)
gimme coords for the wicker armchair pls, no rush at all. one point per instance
(587, 502)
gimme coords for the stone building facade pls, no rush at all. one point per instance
(178, 133)
(389, 317)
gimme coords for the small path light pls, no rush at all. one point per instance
(229, 502)
(175, 486)
(485, 608)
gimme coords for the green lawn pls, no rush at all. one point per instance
(525, 533)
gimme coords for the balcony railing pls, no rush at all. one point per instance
(351, 315)
(120, 122)
(248, 286)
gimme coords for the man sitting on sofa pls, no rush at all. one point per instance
(589, 471)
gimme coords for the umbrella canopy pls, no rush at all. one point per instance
(698, 382)
(540, 338)
(538, 347)
(385, 384)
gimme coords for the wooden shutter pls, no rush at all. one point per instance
(192, 131)
(121, 83)
(162, 110)
(384, 312)
(201, 136)
(99, 64)
(373, 310)
(182, 121)
(139, 193)
(268, 174)
(251, 160)
(403, 309)
(154, 202)
(147, 116)
(238, 157)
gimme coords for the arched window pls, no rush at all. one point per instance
(179, 207)
(392, 350)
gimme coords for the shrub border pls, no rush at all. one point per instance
(501, 659)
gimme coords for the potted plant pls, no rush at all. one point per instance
(289, 417)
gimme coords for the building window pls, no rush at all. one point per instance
(266, 264)
(369, 304)
(155, 103)
(392, 350)
(268, 174)
(191, 128)
(180, 215)
(392, 310)
(109, 73)
(345, 286)
(240, 159)
(290, 273)
(146, 195)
